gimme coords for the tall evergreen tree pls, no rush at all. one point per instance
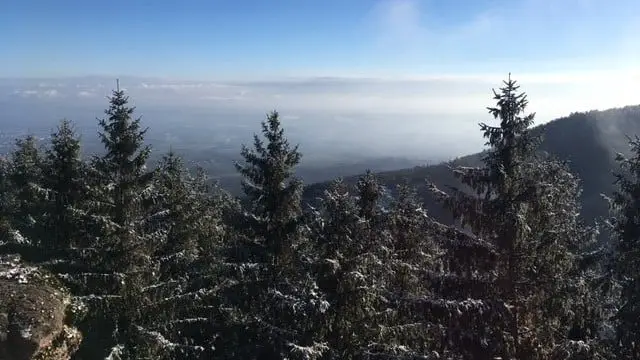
(177, 199)
(524, 208)
(6, 199)
(185, 297)
(64, 180)
(273, 193)
(274, 299)
(349, 268)
(626, 208)
(120, 264)
(412, 268)
(25, 177)
(124, 182)
(369, 193)
(413, 248)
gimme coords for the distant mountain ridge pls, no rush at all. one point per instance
(314, 173)
(587, 140)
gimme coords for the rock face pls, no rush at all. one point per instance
(33, 308)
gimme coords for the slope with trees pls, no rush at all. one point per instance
(587, 141)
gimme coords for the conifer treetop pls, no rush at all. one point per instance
(122, 134)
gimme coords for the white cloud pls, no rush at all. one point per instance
(51, 85)
(48, 93)
(448, 96)
(51, 93)
(85, 94)
(221, 98)
(178, 86)
(410, 113)
(26, 93)
(400, 20)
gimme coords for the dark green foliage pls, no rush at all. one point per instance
(119, 259)
(25, 176)
(185, 296)
(6, 196)
(179, 201)
(626, 225)
(349, 267)
(525, 207)
(43, 195)
(273, 195)
(369, 193)
(122, 187)
(66, 189)
(24, 202)
(410, 259)
(272, 301)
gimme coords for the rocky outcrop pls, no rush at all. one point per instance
(33, 314)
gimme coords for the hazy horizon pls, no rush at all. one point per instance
(408, 78)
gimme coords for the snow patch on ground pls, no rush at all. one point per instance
(25, 333)
(12, 269)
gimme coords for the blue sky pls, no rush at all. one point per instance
(248, 39)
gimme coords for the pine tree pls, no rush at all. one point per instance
(25, 176)
(63, 193)
(33, 206)
(119, 261)
(6, 199)
(124, 182)
(273, 300)
(186, 293)
(626, 225)
(369, 193)
(413, 248)
(64, 182)
(412, 268)
(348, 268)
(176, 199)
(274, 196)
(524, 210)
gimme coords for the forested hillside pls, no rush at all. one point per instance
(161, 264)
(588, 142)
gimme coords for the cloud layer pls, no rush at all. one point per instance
(550, 95)
(435, 115)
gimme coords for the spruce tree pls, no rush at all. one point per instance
(369, 193)
(185, 295)
(626, 225)
(413, 248)
(273, 193)
(6, 200)
(523, 208)
(177, 201)
(348, 268)
(273, 301)
(119, 261)
(64, 190)
(25, 177)
(64, 180)
(412, 267)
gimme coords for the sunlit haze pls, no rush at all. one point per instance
(409, 77)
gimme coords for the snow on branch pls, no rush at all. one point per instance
(168, 345)
(312, 352)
